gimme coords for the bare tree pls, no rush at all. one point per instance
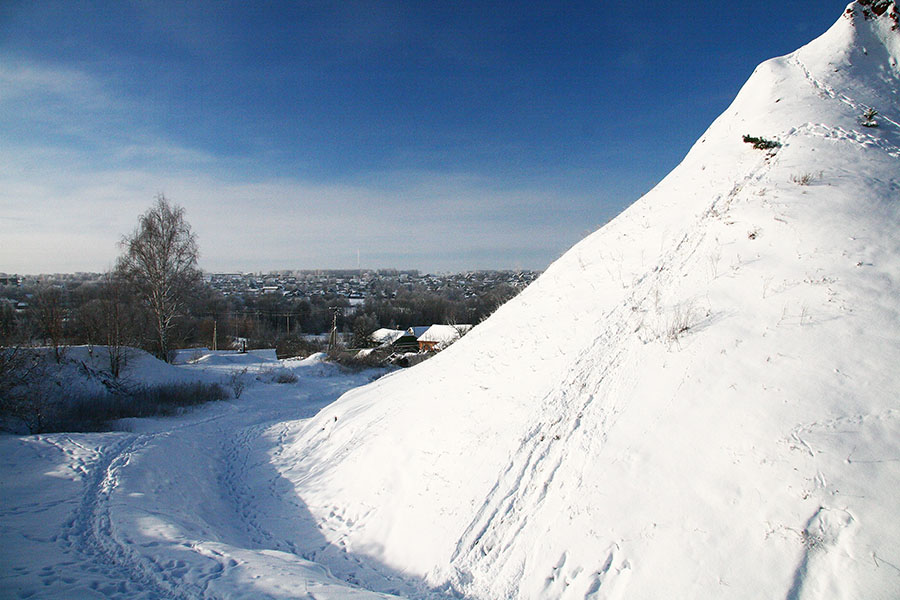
(24, 396)
(363, 326)
(112, 320)
(160, 261)
(117, 322)
(9, 324)
(90, 324)
(461, 328)
(49, 311)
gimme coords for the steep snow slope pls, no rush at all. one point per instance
(700, 400)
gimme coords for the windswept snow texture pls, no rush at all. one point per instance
(701, 400)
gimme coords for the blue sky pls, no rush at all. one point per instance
(430, 135)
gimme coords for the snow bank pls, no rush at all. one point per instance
(86, 368)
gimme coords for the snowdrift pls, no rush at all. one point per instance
(700, 400)
(222, 357)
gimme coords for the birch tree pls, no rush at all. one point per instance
(160, 262)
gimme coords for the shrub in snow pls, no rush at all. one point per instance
(49, 407)
(94, 412)
(238, 381)
(680, 321)
(875, 8)
(285, 377)
(804, 179)
(761, 143)
(357, 361)
(276, 375)
(868, 118)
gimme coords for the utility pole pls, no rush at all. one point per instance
(215, 337)
(332, 339)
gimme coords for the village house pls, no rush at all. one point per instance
(438, 337)
(418, 339)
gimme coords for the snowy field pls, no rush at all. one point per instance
(183, 507)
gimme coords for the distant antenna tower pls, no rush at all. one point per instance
(357, 259)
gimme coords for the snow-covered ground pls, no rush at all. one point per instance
(183, 507)
(700, 400)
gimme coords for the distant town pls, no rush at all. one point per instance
(294, 311)
(353, 284)
(361, 284)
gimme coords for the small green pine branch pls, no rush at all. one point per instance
(761, 143)
(868, 118)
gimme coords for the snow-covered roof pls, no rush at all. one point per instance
(417, 330)
(386, 336)
(444, 334)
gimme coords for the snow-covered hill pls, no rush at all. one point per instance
(700, 400)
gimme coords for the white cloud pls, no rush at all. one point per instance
(65, 203)
(60, 218)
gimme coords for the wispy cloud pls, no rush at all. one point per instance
(50, 109)
(44, 104)
(23, 79)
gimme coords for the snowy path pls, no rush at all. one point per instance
(181, 508)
